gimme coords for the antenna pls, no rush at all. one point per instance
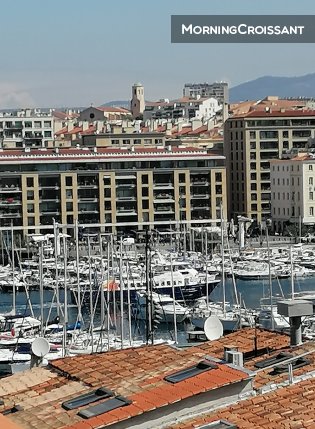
(40, 347)
(213, 328)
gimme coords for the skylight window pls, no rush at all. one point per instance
(298, 363)
(273, 360)
(190, 372)
(104, 407)
(87, 398)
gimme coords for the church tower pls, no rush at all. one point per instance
(137, 101)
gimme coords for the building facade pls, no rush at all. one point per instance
(217, 90)
(293, 191)
(26, 128)
(109, 186)
(250, 142)
(182, 108)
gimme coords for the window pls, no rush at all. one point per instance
(310, 196)
(108, 205)
(69, 194)
(115, 141)
(137, 141)
(37, 124)
(145, 192)
(47, 124)
(104, 407)
(30, 182)
(147, 141)
(145, 179)
(218, 177)
(30, 195)
(190, 372)
(69, 181)
(280, 357)
(182, 178)
(126, 141)
(310, 167)
(30, 208)
(145, 204)
(47, 133)
(310, 181)
(311, 211)
(31, 221)
(87, 398)
(106, 181)
(69, 207)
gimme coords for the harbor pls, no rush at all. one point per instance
(104, 292)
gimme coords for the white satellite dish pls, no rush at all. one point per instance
(213, 328)
(40, 347)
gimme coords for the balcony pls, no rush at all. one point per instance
(6, 215)
(48, 200)
(54, 187)
(122, 198)
(88, 210)
(32, 136)
(87, 200)
(123, 211)
(201, 207)
(9, 202)
(199, 196)
(10, 189)
(50, 211)
(157, 185)
(126, 185)
(164, 210)
(126, 177)
(200, 183)
(87, 185)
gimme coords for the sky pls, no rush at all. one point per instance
(77, 52)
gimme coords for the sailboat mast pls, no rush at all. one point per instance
(270, 281)
(13, 269)
(222, 256)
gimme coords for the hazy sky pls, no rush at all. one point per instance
(78, 52)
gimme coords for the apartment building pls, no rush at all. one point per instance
(110, 185)
(182, 108)
(251, 141)
(26, 128)
(217, 90)
(293, 191)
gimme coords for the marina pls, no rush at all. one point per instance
(106, 293)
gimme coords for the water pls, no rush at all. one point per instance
(250, 291)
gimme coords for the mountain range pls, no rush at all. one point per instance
(284, 87)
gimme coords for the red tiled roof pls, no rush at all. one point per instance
(276, 113)
(286, 408)
(63, 130)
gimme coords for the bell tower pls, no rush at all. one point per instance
(137, 104)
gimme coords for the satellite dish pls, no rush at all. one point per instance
(40, 347)
(213, 328)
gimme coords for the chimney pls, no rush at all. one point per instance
(229, 348)
(294, 309)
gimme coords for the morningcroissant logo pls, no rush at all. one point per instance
(243, 29)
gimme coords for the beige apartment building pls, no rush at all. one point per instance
(293, 191)
(110, 185)
(251, 141)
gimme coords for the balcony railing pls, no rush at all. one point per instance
(200, 196)
(11, 188)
